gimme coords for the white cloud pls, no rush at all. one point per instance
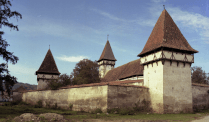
(193, 21)
(190, 20)
(72, 58)
(158, 1)
(19, 69)
(42, 26)
(110, 16)
(148, 22)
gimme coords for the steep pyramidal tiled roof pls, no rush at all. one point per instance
(132, 68)
(107, 53)
(48, 65)
(166, 34)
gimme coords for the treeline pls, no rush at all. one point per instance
(199, 76)
(85, 72)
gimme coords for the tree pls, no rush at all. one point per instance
(199, 76)
(65, 79)
(5, 78)
(62, 81)
(85, 72)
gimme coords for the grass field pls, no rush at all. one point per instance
(7, 113)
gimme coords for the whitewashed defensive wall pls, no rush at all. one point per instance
(88, 97)
(200, 94)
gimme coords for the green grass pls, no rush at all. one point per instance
(10, 112)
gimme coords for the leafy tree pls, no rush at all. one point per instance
(62, 81)
(65, 79)
(5, 78)
(85, 72)
(199, 76)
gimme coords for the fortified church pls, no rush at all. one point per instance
(163, 68)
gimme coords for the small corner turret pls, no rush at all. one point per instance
(47, 71)
(106, 61)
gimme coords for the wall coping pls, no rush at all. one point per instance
(198, 84)
(112, 83)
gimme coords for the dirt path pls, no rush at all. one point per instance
(127, 120)
(61, 118)
(204, 119)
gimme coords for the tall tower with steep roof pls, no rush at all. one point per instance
(47, 71)
(167, 58)
(107, 60)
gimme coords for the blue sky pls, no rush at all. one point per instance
(77, 29)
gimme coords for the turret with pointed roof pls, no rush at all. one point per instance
(107, 60)
(48, 65)
(47, 71)
(107, 53)
(166, 58)
(167, 35)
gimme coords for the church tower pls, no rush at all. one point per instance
(167, 58)
(106, 61)
(47, 71)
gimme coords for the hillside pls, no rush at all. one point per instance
(25, 85)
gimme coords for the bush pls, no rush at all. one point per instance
(123, 111)
(47, 104)
(97, 110)
(28, 110)
(23, 103)
(12, 103)
(113, 110)
(71, 106)
(55, 106)
(81, 110)
(38, 104)
(126, 111)
(144, 108)
(53, 85)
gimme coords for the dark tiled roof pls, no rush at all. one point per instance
(132, 68)
(165, 28)
(48, 65)
(107, 53)
(20, 89)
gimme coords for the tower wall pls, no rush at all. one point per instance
(177, 87)
(153, 79)
(105, 66)
(103, 69)
(42, 84)
(169, 82)
(43, 78)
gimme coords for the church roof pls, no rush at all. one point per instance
(107, 53)
(48, 66)
(166, 34)
(133, 68)
(20, 89)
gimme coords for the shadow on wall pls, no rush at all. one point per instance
(200, 96)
